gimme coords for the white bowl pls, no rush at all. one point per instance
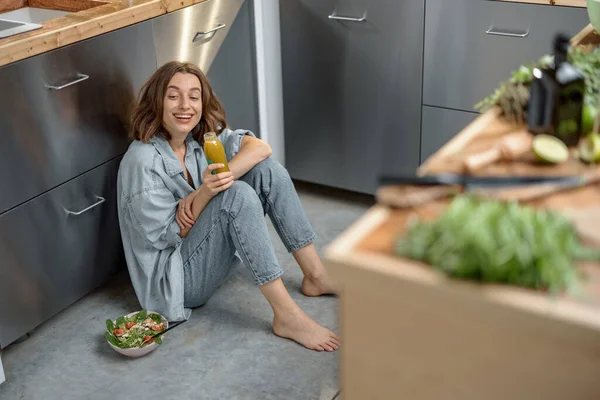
(140, 351)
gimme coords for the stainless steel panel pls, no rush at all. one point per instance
(352, 89)
(194, 34)
(233, 73)
(473, 45)
(63, 113)
(52, 257)
(439, 126)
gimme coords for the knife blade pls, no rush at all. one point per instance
(476, 182)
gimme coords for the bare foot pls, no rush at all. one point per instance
(298, 326)
(318, 286)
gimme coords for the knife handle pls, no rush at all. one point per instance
(398, 196)
(510, 147)
(477, 161)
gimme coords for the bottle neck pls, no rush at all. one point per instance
(210, 137)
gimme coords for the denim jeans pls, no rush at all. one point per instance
(234, 220)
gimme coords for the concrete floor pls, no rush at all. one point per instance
(225, 351)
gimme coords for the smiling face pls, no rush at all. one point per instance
(182, 105)
(176, 100)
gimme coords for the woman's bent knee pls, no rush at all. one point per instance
(240, 196)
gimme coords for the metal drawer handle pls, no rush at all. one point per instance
(491, 31)
(96, 204)
(80, 78)
(220, 26)
(351, 19)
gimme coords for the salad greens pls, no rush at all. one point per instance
(138, 330)
(589, 64)
(502, 242)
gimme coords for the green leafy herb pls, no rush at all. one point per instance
(113, 340)
(141, 316)
(156, 318)
(512, 96)
(110, 326)
(589, 64)
(523, 76)
(493, 241)
(120, 321)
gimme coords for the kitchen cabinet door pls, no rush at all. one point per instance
(233, 73)
(65, 112)
(471, 46)
(57, 248)
(439, 126)
(352, 89)
(195, 33)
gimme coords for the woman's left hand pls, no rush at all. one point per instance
(184, 216)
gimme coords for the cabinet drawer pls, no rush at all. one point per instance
(194, 34)
(439, 126)
(468, 51)
(57, 248)
(50, 135)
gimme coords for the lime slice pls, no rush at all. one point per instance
(588, 117)
(589, 148)
(550, 149)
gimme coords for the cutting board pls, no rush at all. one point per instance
(587, 223)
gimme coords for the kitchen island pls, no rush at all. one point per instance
(410, 331)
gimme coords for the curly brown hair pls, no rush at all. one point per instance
(147, 115)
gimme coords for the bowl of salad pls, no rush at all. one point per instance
(136, 334)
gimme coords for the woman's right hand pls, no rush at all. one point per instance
(215, 184)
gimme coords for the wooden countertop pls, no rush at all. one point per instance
(84, 24)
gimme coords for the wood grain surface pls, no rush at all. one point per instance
(89, 18)
(9, 5)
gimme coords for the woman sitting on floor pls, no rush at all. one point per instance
(182, 225)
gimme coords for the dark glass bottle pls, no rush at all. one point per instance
(556, 97)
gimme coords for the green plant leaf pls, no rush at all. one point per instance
(120, 321)
(110, 326)
(113, 340)
(156, 318)
(158, 341)
(141, 316)
(493, 241)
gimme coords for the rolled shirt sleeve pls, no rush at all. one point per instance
(153, 213)
(232, 141)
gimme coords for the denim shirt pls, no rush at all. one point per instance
(150, 184)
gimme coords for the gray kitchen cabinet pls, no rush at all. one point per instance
(439, 126)
(352, 89)
(63, 128)
(218, 36)
(473, 45)
(64, 112)
(56, 248)
(194, 34)
(233, 73)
